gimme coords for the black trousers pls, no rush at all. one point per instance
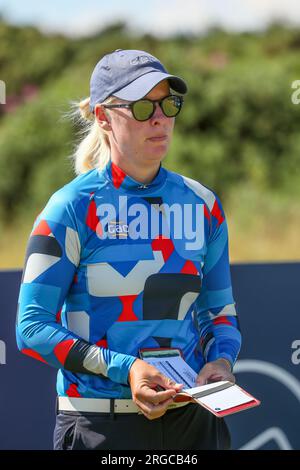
(188, 427)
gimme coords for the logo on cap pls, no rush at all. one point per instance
(142, 59)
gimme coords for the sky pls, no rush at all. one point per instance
(161, 18)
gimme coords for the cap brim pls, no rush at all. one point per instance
(144, 84)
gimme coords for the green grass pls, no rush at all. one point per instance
(263, 226)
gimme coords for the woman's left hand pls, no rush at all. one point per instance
(214, 371)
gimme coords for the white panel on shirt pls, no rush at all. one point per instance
(103, 280)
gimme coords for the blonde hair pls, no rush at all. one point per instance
(93, 151)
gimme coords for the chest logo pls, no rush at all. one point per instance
(117, 229)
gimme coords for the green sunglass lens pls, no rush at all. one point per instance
(171, 106)
(142, 110)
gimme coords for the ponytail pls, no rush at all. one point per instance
(93, 151)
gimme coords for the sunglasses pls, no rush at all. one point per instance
(142, 110)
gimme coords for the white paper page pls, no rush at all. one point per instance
(204, 388)
(175, 368)
(228, 398)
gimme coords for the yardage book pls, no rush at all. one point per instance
(220, 398)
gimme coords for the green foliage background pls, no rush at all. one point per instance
(239, 132)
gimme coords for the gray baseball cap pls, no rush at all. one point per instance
(129, 75)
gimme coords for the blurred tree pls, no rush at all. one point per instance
(238, 126)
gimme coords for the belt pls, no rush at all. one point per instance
(104, 405)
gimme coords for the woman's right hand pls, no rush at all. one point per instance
(144, 379)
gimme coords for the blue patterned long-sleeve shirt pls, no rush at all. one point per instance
(114, 266)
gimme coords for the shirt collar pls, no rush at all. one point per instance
(121, 180)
